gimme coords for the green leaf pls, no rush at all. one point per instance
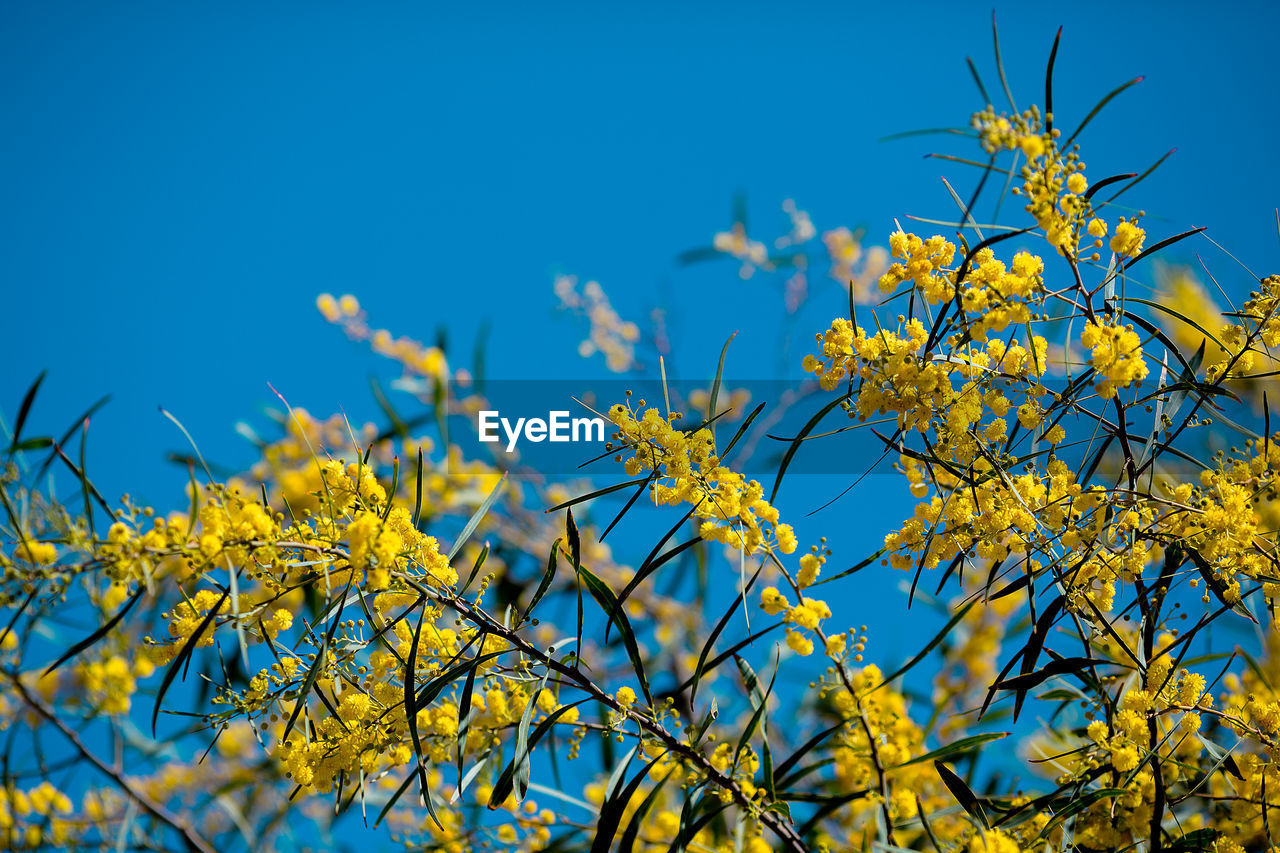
(960, 747)
(608, 603)
(1062, 666)
(759, 701)
(476, 517)
(598, 493)
(1200, 839)
(715, 386)
(1048, 81)
(995, 40)
(967, 799)
(97, 635)
(1078, 802)
(506, 781)
(410, 707)
(615, 805)
(785, 767)
(1139, 179)
(313, 671)
(715, 635)
(1097, 109)
(38, 443)
(1168, 241)
(809, 427)
(188, 648)
(548, 577)
(520, 778)
(933, 644)
(742, 430)
(71, 431)
(628, 841)
(648, 567)
(24, 410)
(404, 786)
(417, 501)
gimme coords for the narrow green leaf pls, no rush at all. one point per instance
(809, 427)
(505, 784)
(1048, 81)
(715, 635)
(933, 644)
(715, 386)
(1062, 666)
(960, 747)
(608, 603)
(417, 501)
(476, 517)
(1097, 109)
(597, 493)
(967, 799)
(615, 806)
(24, 410)
(313, 671)
(188, 648)
(97, 635)
(520, 779)
(548, 577)
(648, 567)
(628, 841)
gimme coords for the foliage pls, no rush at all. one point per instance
(368, 627)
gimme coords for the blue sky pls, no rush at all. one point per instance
(181, 180)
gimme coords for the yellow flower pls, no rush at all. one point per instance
(773, 602)
(40, 553)
(810, 565)
(1128, 239)
(1116, 355)
(799, 643)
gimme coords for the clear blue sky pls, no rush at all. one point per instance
(180, 180)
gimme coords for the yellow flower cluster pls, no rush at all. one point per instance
(989, 518)
(1115, 353)
(874, 746)
(36, 818)
(368, 731)
(1054, 184)
(1260, 323)
(1001, 296)
(685, 469)
(802, 617)
(109, 683)
(36, 552)
(1024, 132)
(735, 242)
(896, 378)
(922, 262)
(993, 296)
(1158, 718)
(607, 333)
(417, 358)
(1128, 239)
(852, 264)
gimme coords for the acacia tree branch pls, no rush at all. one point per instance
(780, 827)
(156, 810)
(783, 829)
